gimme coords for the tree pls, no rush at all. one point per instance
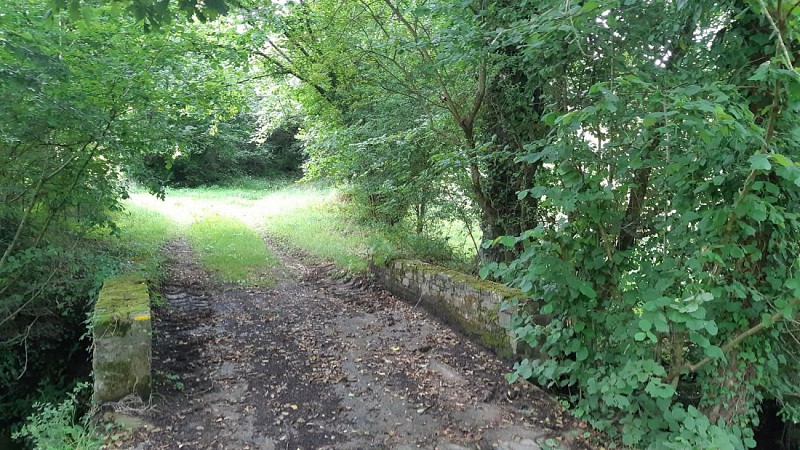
(633, 164)
(666, 250)
(82, 98)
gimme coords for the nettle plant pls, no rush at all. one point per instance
(667, 252)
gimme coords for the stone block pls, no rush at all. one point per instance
(472, 304)
(122, 340)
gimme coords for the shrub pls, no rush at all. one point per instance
(57, 426)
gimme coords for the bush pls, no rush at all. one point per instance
(221, 153)
(57, 426)
(47, 296)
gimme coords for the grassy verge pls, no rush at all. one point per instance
(233, 251)
(325, 232)
(140, 234)
(329, 231)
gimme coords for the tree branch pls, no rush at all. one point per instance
(734, 342)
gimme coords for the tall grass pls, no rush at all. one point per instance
(332, 231)
(325, 232)
(140, 234)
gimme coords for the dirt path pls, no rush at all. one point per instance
(317, 363)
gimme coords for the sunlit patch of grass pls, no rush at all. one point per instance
(140, 234)
(251, 203)
(232, 250)
(325, 232)
(307, 216)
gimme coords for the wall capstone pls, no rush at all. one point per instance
(478, 307)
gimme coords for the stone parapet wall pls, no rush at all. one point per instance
(475, 306)
(122, 340)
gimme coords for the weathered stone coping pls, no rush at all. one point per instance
(122, 340)
(476, 306)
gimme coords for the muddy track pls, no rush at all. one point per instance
(316, 363)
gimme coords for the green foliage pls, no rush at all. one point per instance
(152, 14)
(82, 97)
(56, 426)
(219, 153)
(42, 318)
(633, 167)
(667, 249)
(630, 164)
(374, 123)
(327, 228)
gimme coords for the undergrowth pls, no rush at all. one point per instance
(58, 425)
(333, 232)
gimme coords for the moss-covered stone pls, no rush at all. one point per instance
(469, 303)
(481, 328)
(122, 340)
(474, 282)
(122, 300)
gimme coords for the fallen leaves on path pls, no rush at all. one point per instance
(317, 363)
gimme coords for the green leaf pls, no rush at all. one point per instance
(699, 339)
(658, 389)
(759, 212)
(660, 323)
(761, 72)
(782, 160)
(760, 161)
(506, 241)
(735, 251)
(587, 290)
(794, 285)
(550, 118)
(712, 351)
(645, 324)
(651, 119)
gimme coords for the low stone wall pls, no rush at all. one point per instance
(122, 340)
(471, 304)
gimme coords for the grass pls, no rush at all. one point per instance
(250, 201)
(225, 224)
(141, 232)
(325, 232)
(330, 231)
(232, 250)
